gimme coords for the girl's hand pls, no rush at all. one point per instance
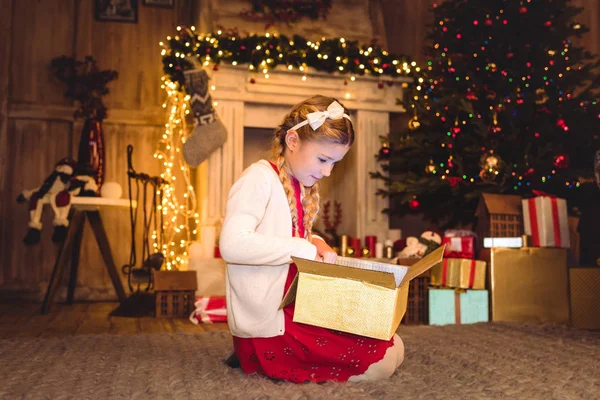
(324, 252)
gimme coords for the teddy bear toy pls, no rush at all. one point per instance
(421, 246)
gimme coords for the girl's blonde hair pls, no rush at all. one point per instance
(338, 131)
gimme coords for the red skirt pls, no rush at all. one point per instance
(306, 353)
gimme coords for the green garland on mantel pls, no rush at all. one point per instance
(263, 53)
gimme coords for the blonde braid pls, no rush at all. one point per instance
(310, 205)
(284, 177)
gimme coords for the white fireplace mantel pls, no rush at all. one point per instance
(245, 99)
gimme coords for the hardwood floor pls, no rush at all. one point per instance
(25, 320)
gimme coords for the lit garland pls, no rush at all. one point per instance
(178, 214)
(263, 53)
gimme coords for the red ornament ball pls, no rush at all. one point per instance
(488, 22)
(561, 161)
(523, 10)
(252, 80)
(548, 24)
(216, 67)
(414, 204)
(380, 85)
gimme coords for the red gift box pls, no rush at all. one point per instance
(209, 309)
(545, 219)
(459, 247)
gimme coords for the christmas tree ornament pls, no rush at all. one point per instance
(542, 97)
(431, 168)
(490, 165)
(384, 151)
(495, 127)
(561, 123)
(456, 128)
(561, 161)
(413, 123)
(414, 204)
(209, 132)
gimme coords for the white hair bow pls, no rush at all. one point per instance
(317, 118)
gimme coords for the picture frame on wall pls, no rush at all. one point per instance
(116, 10)
(160, 3)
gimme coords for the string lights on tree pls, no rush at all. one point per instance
(507, 103)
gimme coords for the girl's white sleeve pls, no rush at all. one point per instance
(240, 243)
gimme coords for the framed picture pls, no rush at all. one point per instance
(116, 10)
(160, 3)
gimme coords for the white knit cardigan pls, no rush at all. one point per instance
(257, 244)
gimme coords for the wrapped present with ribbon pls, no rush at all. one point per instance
(209, 309)
(459, 273)
(545, 219)
(459, 247)
(448, 306)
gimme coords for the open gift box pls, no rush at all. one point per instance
(361, 297)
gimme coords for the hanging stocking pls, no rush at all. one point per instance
(209, 132)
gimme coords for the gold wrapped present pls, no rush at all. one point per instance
(585, 297)
(364, 298)
(529, 284)
(446, 273)
(459, 273)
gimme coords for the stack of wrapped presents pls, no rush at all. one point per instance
(458, 293)
(528, 276)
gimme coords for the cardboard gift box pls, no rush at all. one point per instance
(459, 247)
(529, 284)
(447, 306)
(459, 273)
(364, 298)
(585, 297)
(545, 219)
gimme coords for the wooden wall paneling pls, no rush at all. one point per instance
(93, 280)
(40, 33)
(591, 13)
(406, 26)
(35, 147)
(5, 172)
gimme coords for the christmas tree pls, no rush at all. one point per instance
(506, 104)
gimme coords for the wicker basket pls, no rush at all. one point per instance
(417, 308)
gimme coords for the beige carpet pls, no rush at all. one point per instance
(482, 361)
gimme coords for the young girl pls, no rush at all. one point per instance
(269, 218)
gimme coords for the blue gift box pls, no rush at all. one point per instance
(447, 306)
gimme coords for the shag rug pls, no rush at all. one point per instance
(481, 361)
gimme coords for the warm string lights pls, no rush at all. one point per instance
(178, 206)
(263, 53)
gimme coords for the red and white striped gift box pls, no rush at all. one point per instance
(545, 219)
(209, 309)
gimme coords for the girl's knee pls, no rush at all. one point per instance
(385, 368)
(399, 348)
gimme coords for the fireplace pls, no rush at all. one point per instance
(252, 104)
